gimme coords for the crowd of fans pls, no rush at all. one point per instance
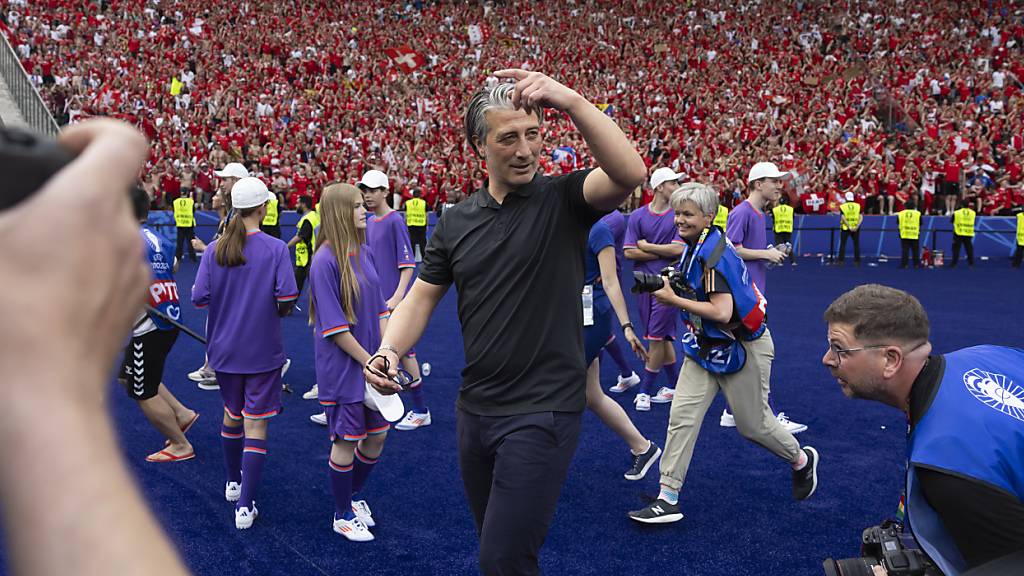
(887, 99)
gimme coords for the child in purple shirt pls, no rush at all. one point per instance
(246, 280)
(348, 314)
(388, 240)
(627, 378)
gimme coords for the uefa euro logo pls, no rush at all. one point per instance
(996, 391)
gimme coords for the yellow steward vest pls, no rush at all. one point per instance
(963, 222)
(721, 217)
(1020, 229)
(910, 224)
(271, 218)
(851, 214)
(184, 216)
(416, 212)
(783, 216)
(303, 252)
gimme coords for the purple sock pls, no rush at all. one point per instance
(341, 487)
(615, 351)
(647, 381)
(672, 373)
(419, 405)
(233, 440)
(363, 466)
(253, 457)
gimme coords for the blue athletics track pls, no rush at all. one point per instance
(739, 515)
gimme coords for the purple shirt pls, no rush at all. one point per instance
(388, 239)
(746, 227)
(244, 329)
(339, 377)
(644, 224)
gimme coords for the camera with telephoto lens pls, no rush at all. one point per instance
(644, 282)
(883, 552)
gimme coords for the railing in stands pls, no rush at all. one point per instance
(25, 95)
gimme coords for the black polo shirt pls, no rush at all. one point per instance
(518, 271)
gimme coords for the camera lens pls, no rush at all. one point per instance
(848, 567)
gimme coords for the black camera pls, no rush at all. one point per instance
(644, 282)
(882, 547)
(27, 161)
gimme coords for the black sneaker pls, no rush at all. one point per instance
(805, 480)
(657, 512)
(643, 462)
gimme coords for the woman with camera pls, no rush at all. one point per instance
(728, 347)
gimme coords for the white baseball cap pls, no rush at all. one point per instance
(390, 406)
(232, 170)
(764, 170)
(249, 193)
(374, 179)
(849, 196)
(662, 175)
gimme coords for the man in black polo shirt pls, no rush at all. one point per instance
(514, 251)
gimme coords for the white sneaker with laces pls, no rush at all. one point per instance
(320, 418)
(663, 396)
(727, 420)
(245, 517)
(354, 529)
(413, 421)
(643, 402)
(362, 511)
(312, 394)
(232, 491)
(623, 384)
(789, 425)
(203, 373)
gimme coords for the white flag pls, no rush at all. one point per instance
(476, 36)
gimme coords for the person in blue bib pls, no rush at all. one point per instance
(965, 472)
(728, 347)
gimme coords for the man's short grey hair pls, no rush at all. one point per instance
(497, 97)
(702, 195)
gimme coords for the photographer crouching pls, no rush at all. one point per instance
(728, 347)
(965, 475)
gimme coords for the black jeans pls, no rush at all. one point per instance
(1017, 256)
(968, 243)
(418, 237)
(855, 235)
(513, 468)
(185, 241)
(301, 273)
(783, 237)
(912, 248)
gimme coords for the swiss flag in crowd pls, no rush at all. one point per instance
(406, 58)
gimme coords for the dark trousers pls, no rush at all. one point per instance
(783, 237)
(1017, 256)
(513, 468)
(911, 248)
(418, 237)
(968, 244)
(843, 235)
(272, 229)
(301, 273)
(185, 240)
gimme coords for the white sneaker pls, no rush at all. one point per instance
(287, 365)
(245, 517)
(362, 511)
(320, 418)
(208, 385)
(354, 529)
(643, 402)
(232, 491)
(312, 394)
(203, 373)
(789, 425)
(412, 421)
(623, 384)
(663, 396)
(727, 420)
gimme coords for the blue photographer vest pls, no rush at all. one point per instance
(974, 428)
(712, 347)
(163, 290)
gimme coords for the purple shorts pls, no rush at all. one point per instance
(659, 320)
(253, 396)
(354, 421)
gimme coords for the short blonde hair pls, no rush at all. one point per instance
(702, 195)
